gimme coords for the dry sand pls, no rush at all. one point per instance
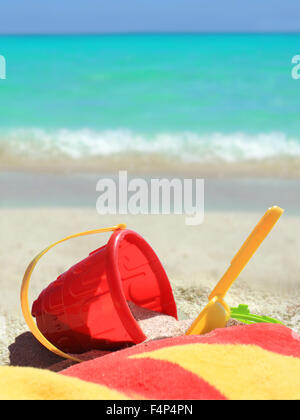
(156, 325)
(194, 258)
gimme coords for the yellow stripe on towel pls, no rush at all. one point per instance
(22, 383)
(237, 371)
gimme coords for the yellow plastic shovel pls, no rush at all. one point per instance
(216, 313)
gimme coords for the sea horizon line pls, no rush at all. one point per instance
(148, 33)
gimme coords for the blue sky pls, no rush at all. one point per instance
(85, 16)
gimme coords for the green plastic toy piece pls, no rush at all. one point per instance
(242, 313)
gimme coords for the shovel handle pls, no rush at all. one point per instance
(242, 257)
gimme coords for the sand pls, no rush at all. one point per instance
(194, 258)
(156, 325)
(26, 189)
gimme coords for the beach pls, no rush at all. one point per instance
(76, 109)
(194, 259)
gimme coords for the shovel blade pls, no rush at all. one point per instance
(214, 315)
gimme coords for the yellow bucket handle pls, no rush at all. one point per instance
(25, 287)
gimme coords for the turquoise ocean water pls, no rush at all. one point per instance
(194, 97)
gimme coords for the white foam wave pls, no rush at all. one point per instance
(188, 146)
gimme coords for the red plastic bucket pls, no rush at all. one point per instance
(86, 307)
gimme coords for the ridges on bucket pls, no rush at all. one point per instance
(86, 307)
